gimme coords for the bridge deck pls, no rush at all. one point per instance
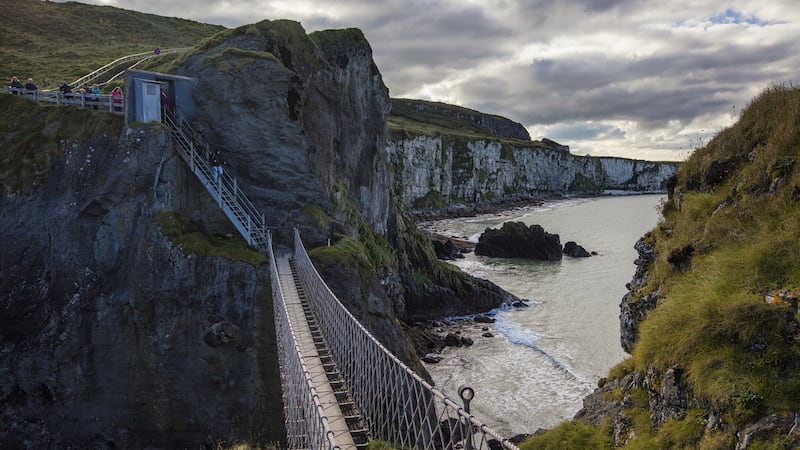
(311, 359)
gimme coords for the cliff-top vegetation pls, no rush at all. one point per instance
(32, 138)
(421, 117)
(51, 42)
(727, 273)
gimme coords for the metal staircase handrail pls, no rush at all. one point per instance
(250, 223)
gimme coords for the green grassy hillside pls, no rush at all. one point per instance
(408, 118)
(50, 42)
(728, 275)
(437, 117)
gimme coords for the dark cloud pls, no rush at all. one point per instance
(583, 131)
(641, 74)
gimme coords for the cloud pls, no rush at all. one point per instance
(623, 77)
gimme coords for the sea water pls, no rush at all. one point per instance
(543, 360)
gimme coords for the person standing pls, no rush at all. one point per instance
(16, 85)
(216, 165)
(116, 98)
(31, 88)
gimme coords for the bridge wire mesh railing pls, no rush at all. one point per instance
(398, 405)
(306, 425)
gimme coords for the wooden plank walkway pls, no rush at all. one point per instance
(311, 359)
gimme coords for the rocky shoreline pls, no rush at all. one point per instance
(431, 338)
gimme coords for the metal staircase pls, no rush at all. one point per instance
(224, 189)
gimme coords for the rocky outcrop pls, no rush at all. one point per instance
(571, 248)
(113, 336)
(433, 289)
(301, 119)
(516, 240)
(666, 394)
(447, 250)
(633, 309)
(447, 171)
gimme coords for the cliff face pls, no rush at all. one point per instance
(112, 335)
(462, 170)
(118, 327)
(300, 119)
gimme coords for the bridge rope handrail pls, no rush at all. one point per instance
(306, 424)
(399, 405)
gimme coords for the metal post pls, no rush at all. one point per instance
(249, 230)
(467, 394)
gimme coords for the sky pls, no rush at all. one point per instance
(643, 79)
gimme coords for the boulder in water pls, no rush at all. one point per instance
(575, 250)
(516, 240)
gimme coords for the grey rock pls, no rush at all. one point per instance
(431, 359)
(303, 124)
(483, 318)
(632, 309)
(105, 319)
(517, 240)
(575, 250)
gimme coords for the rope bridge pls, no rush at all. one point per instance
(397, 405)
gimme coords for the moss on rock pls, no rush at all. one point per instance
(179, 229)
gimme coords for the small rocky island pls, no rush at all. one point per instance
(517, 240)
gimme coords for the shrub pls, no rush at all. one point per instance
(573, 434)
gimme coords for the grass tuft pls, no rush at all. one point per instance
(179, 229)
(573, 434)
